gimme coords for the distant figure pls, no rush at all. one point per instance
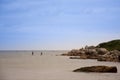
(41, 53)
(32, 53)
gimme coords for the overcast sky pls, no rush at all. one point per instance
(57, 24)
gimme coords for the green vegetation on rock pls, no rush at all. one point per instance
(111, 45)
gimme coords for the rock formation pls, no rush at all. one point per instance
(110, 56)
(91, 52)
(101, 69)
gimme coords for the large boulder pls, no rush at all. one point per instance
(102, 69)
(101, 51)
(91, 53)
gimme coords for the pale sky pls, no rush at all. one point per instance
(57, 24)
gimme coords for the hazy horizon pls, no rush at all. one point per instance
(48, 49)
(57, 24)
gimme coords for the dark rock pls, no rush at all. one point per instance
(65, 54)
(102, 69)
(76, 57)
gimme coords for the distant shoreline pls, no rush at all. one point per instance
(34, 50)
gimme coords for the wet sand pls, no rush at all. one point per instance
(50, 67)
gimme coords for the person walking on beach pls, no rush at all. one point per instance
(41, 53)
(32, 53)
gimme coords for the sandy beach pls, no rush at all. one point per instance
(50, 67)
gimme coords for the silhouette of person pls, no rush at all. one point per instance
(41, 53)
(32, 53)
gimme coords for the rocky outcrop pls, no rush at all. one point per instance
(91, 52)
(110, 56)
(101, 69)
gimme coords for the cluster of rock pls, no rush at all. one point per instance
(110, 56)
(91, 52)
(101, 69)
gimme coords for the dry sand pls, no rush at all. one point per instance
(47, 67)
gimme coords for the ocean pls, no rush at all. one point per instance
(22, 65)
